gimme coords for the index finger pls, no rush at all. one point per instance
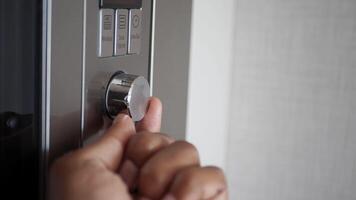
(110, 147)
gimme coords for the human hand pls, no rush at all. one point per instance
(125, 165)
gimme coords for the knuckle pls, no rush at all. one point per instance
(221, 173)
(147, 141)
(141, 141)
(218, 173)
(188, 177)
(150, 176)
(187, 147)
(143, 145)
(150, 183)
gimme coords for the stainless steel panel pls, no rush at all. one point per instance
(121, 31)
(97, 71)
(64, 71)
(171, 62)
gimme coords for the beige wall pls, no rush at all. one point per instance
(293, 109)
(272, 92)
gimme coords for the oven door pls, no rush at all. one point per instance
(20, 98)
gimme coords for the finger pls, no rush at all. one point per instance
(157, 173)
(139, 148)
(143, 145)
(152, 120)
(85, 181)
(197, 183)
(129, 172)
(110, 147)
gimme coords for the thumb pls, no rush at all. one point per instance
(110, 147)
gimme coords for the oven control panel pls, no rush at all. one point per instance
(120, 31)
(117, 38)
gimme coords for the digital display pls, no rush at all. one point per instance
(121, 3)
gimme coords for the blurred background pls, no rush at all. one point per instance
(266, 89)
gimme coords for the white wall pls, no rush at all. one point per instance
(209, 78)
(272, 92)
(293, 109)
(272, 96)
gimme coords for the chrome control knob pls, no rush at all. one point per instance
(126, 91)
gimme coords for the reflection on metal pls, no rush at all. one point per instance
(126, 91)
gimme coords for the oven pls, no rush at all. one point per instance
(67, 68)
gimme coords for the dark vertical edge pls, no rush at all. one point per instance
(43, 101)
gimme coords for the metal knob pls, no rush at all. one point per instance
(126, 91)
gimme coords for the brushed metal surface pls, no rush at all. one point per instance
(64, 68)
(293, 130)
(97, 71)
(171, 62)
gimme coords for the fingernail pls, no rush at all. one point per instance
(129, 173)
(120, 117)
(169, 197)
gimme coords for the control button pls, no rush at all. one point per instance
(126, 91)
(121, 31)
(135, 31)
(106, 33)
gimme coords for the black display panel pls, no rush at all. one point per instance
(20, 80)
(121, 3)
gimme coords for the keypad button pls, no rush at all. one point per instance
(121, 31)
(106, 32)
(135, 31)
